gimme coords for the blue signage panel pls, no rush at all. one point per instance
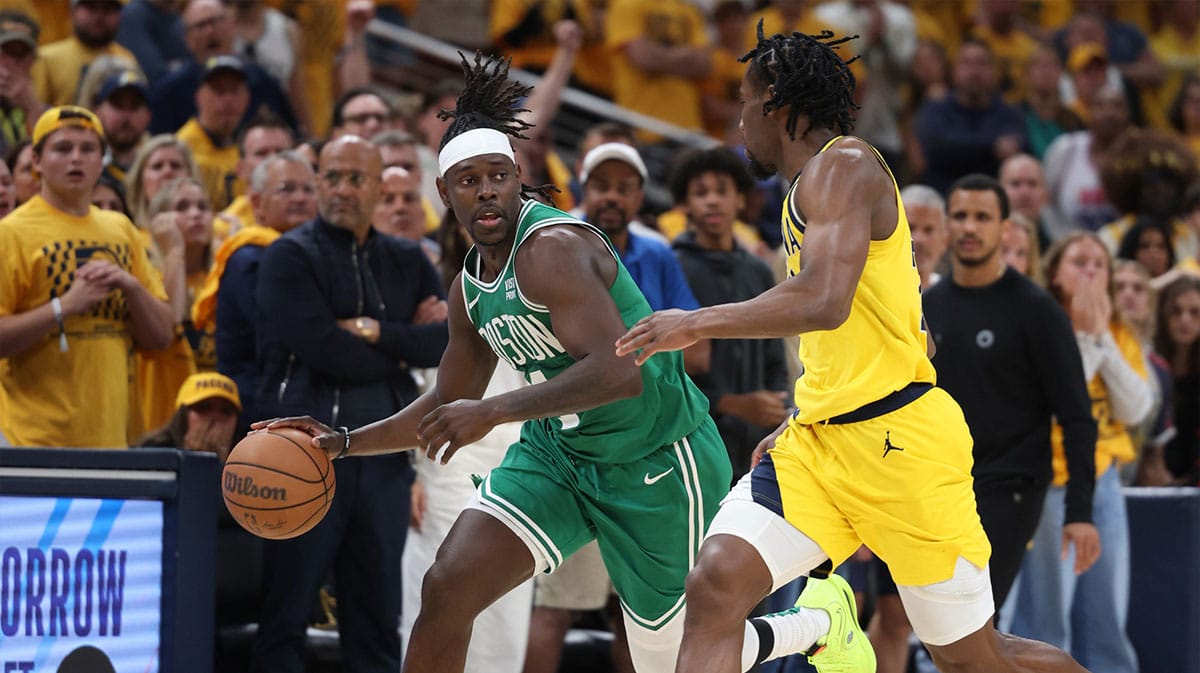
(80, 585)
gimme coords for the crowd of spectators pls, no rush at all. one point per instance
(265, 213)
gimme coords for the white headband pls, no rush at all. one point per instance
(473, 143)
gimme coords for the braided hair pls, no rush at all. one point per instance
(489, 100)
(809, 77)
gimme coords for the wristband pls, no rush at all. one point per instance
(56, 304)
(346, 445)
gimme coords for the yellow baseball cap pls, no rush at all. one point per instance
(207, 385)
(1084, 54)
(63, 116)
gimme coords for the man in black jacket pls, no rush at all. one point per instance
(1007, 353)
(344, 312)
(746, 380)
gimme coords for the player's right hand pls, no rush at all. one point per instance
(660, 331)
(324, 437)
(767, 444)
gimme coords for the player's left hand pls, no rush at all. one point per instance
(453, 426)
(1086, 539)
(658, 332)
(418, 505)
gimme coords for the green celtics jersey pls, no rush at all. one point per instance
(520, 333)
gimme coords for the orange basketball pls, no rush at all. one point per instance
(276, 485)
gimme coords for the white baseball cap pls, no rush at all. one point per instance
(609, 151)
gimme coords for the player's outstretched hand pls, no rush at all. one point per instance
(452, 426)
(324, 437)
(1086, 539)
(660, 331)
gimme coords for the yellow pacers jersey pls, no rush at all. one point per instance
(881, 347)
(1113, 442)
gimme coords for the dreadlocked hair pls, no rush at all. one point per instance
(489, 100)
(809, 77)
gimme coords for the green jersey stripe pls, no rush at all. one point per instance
(554, 556)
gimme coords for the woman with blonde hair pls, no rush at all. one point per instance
(1134, 301)
(1052, 601)
(181, 204)
(185, 204)
(1019, 246)
(160, 160)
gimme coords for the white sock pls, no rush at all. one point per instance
(749, 648)
(791, 633)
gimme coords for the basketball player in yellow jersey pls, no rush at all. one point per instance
(875, 454)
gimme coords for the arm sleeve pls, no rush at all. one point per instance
(899, 36)
(622, 23)
(132, 34)
(417, 345)
(1129, 390)
(1059, 368)
(1054, 164)
(1092, 351)
(14, 274)
(236, 306)
(293, 310)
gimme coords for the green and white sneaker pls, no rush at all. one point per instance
(845, 649)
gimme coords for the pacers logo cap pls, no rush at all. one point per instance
(207, 385)
(63, 116)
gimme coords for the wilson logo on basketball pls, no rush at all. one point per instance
(246, 486)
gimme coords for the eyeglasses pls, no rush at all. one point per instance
(335, 178)
(364, 117)
(204, 24)
(289, 188)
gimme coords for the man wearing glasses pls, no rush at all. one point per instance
(363, 112)
(283, 195)
(343, 312)
(209, 32)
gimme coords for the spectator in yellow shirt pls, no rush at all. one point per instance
(719, 99)
(61, 64)
(221, 102)
(76, 293)
(660, 58)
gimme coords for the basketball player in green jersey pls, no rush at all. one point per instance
(625, 455)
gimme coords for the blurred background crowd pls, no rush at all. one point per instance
(216, 115)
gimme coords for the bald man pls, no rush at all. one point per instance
(1024, 181)
(343, 313)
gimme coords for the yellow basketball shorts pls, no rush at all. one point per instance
(899, 482)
